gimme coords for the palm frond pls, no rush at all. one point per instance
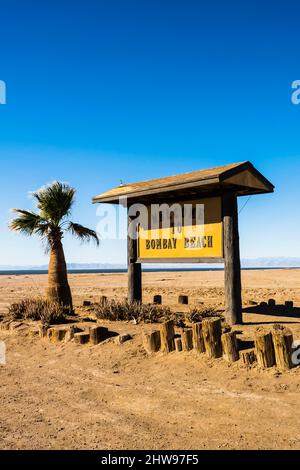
(83, 233)
(27, 223)
(55, 201)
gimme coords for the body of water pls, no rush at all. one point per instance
(124, 270)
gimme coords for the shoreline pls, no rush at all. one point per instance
(29, 272)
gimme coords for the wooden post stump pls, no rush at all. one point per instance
(230, 350)
(43, 331)
(167, 336)
(56, 334)
(289, 303)
(183, 299)
(70, 333)
(212, 332)
(187, 339)
(264, 348)
(82, 338)
(198, 340)
(248, 357)
(151, 341)
(98, 334)
(157, 299)
(283, 341)
(178, 344)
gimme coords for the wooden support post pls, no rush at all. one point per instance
(187, 339)
(167, 336)
(232, 264)
(98, 334)
(264, 348)
(178, 344)
(283, 341)
(151, 341)
(230, 350)
(134, 268)
(212, 332)
(198, 340)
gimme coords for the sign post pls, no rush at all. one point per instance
(232, 264)
(213, 239)
(134, 268)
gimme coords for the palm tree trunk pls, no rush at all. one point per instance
(58, 286)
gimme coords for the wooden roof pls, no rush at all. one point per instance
(241, 178)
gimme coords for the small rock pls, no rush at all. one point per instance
(14, 325)
(122, 338)
(87, 303)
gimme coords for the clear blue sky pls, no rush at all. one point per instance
(100, 91)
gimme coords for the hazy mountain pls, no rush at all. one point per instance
(280, 262)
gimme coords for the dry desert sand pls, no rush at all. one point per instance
(109, 396)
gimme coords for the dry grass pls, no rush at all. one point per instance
(122, 310)
(196, 314)
(47, 311)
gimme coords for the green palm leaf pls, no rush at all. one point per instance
(83, 233)
(55, 201)
(27, 223)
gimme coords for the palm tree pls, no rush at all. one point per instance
(54, 203)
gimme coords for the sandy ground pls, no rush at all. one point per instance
(109, 396)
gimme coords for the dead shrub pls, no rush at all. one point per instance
(48, 311)
(122, 310)
(197, 314)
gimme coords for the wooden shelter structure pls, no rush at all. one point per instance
(224, 182)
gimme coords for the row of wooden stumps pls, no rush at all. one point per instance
(271, 348)
(94, 335)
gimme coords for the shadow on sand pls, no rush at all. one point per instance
(274, 311)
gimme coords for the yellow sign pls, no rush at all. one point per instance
(188, 240)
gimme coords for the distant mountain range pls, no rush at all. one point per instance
(280, 262)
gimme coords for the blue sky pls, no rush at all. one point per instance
(102, 91)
